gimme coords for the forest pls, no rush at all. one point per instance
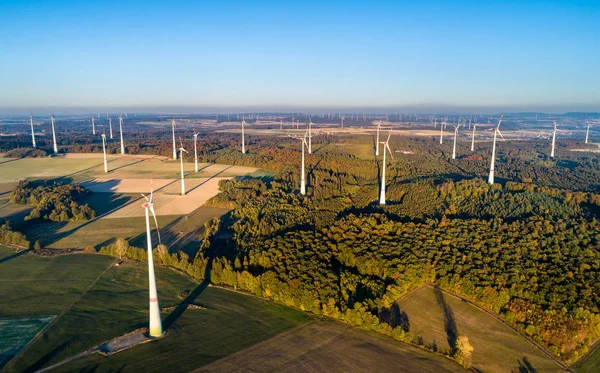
(54, 202)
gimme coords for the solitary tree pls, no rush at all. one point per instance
(464, 350)
(121, 247)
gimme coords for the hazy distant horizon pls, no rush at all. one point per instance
(185, 109)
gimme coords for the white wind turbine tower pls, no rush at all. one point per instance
(181, 150)
(110, 127)
(121, 132)
(473, 138)
(33, 133)
(54, 135)
(93, 126)
(442, 124)
(553, 140)
(455, 136)
(310, 136)
(104, 151)
(587, 133)
(155, 326)
(496, 132)
(377, 140)
(174, 146)
(302, 177)
(195, 151)
(342, 122)
(386, 146)
(243, 137)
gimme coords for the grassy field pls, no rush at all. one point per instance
(590, 363)
(327, 346)
(181, 232)
(16, 332)
(117, 304)
(436, 319)
(37, 286)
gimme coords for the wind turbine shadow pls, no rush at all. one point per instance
(180, 309)
(207, 180)
(15, 255)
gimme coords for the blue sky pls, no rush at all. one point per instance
(279, 54)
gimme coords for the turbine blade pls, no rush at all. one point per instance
(500, 133)
(155, 223)
(143, 195)
(387, 146)
(388, 139)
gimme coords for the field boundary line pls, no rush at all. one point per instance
(63, 312)
(533, 343)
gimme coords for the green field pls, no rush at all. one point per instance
(35, 286)
(436, 318)
(117, 304)
(16, 332)
(589, 363)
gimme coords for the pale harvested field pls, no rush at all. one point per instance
(327, 346)
(101, 185)
(498, 348)
(167, 197)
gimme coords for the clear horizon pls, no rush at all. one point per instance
(460, 56)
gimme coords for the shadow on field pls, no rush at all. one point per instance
(180, 309)
(394, 317)
(6, 259)
(449, 322)
(524, 367)
(48, 357)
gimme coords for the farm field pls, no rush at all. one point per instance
(589, 363)
(327, 346)
(86, 166)
(436, 319)
(36, 286)
(17, 332)
(224, 323)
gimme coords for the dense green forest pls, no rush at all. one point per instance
(55, 202)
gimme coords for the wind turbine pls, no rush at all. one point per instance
(195, 151)
(155, 326)
(496, 132)
(104, 151)
(181, 150)
(93, 126)
(310, 135)
(377, 140)
(587, 133)
(385, 146)
(473, 138)
(302, 177)
(243, 137)
(174, 146)
(342, 122)
(110, 127)
(33, 133)
(121, 132)
(54, 135)
(553, 140)
(442, 124)
(455, 136)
